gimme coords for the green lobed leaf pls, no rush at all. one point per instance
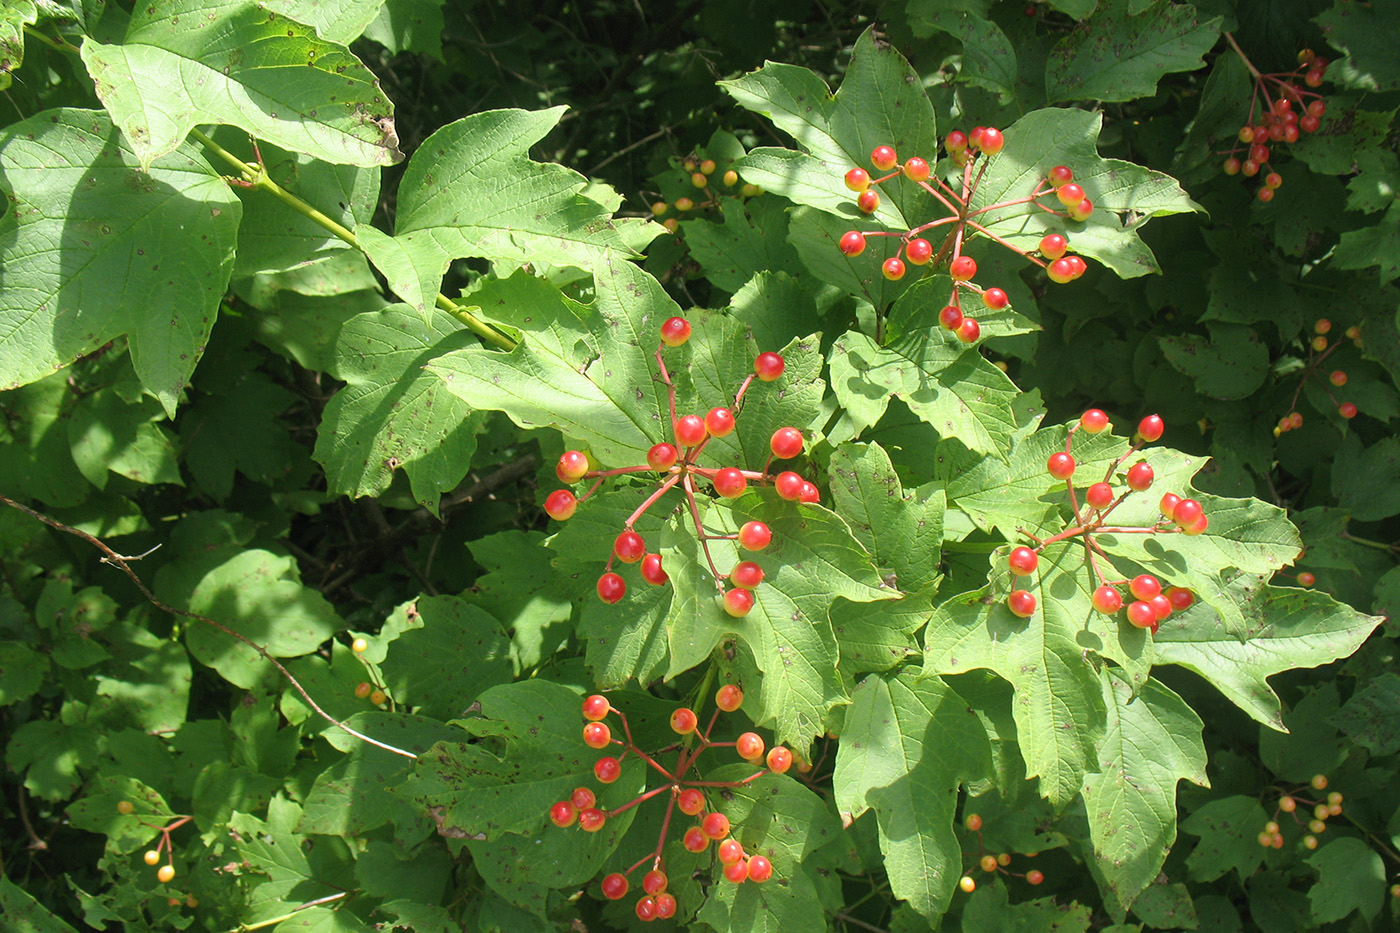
(1371, 717)
(752, 240)
(1229, 830)
(14, 16)
(1232, 364)
(902, 531)
(409, 26)
(441, 667)
(1363, 33)
(184, 62)
(92, 250)
(989, 910)
(108, 435)
(791, 904)
(1372, 245)
(1363, 478)
(339, 21)
(1166, 907)
(1350, 876)
(878, 636)
(25, 913)
(816, 237)
(1115, 55)
(908, 742)
(988, 59)
(1153, 740)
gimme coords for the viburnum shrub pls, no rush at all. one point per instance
(852, 495)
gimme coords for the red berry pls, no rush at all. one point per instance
(1306, 579)
(1060, 175)
(1076, 266)
(683, 722)
(652, 571)
(852, 243)
(969, 330)
(730, 851)
(654, 881)
(893, 269)
(973, 822)
(563, 814)
(582, 798)
(715, 825)
(719, 422)
(629, 547)
(1082, 210)
(1140, 476)
(607, 769)
(956, 141)
(729, 698)
(1023, 561)
(779, 759)
(665, 906)
(1180, 597)
(918, 251)
(1273, 180)
(1034, 876)
(1060, 271)
(1093, 421)
(1187, 512)
(1053, 246)
(738, 602)
(596, 735)
(1069, 194)
(995, 298)
(1145, 586)
(730, 482)
(615, 886)
(363, 689)
(592, 820)
(857, 179)
(883, 158)
(1168, 504)
(690, 801)
(786, 443)
(1161, 606)
(611, 588)
(1021, 603)
(1309, 124)
(991, 142)
(675, 331)
(737, 872)
(760, 869)
(1197, 527)
(789, 485)
(694, 840)
(950, 317)
(1151, 428)
(1347, 410)
(916, 169)
(662, 456)
(596, 707)
(560, 505)
(1107, 600)
(1265, 194)
(868, 201)
(962, 269)
(1141, 614)
(690, 430)
(1338, 378)
(646, 909)
(746, 574)
(768, 366)
(1099, 495)
(1060, 465)
(755, 536)
(573, 464)
(810, 493)
(749, 746)
(1231, 166)
(974, 137)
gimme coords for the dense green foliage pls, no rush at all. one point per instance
(301, 303)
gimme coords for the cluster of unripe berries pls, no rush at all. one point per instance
(702, 172)
(686, 796)
(166, 873)
(992, 863)
(1277, 120)
(365, 690)
(1320, 348)
(1271, 837)
(1151, 601)
(677, 460)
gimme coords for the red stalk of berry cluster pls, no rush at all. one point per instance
(972, 151)
(679, 466)
(1152, 602)
(686, 794)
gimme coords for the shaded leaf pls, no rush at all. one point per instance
(1115, 55)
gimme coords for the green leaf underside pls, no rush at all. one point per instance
(184, 63)
(93, 249)
(1116, 56)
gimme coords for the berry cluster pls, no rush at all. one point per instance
(992, 863)
(678, 465)
(166, 873)
(688, 795)
(971, 151)
(701, 172)
(1151, 601)
(1319, 348)
(1279, 112)
(372, 689)
(1271, 837)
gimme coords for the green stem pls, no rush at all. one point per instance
(254, 175)
(1378, 545)
(58, 45)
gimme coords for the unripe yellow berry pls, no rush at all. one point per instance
(359, 646)
(151, 857)
(660, 208)
(166, 873)
(124, 807)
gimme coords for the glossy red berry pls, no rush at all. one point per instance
(973, 822)
(646, 909)
(662, 456)
(1107, 600)
(1151, 428)
(991, 141)
(1141, 614)
(883, 158)
(737, 872)
(1306, 579)
(730, 482)
(786, 443)
(755, 536)
(1187, 512)
(1053, 246)
(1069, 194)
(719, 422)
(893, 269)
(715, 825)
(857, 179)
(1060, 175)
(652, 571)
(779, 759)
(1023, 561)
(956, 141)
(789, 485)
(615, 886)
(690, 430)
(1168, 504)
(694, 840)
(1161, 606)
(760, 869)
(995, 298)
(1180, 598)
(607, 769)
(950, 317)
(1035, 876)
(852, 243)
(690, 801)
(629, 547)
(729, 698)
(868, 201)
(969, 330)
(1093, 421)
(1347, 410)
(572, 466)
(1099, 495)
(665, 905)
(916, 169)
(582, 798)
(749, 746)
(1231, 166)
(1338, 378)
(596, 735)
(768, 366)
(1060, 465)
(962, 269)
(675, 331)
(810, 493)
(918, 251)
(560, 505)
(1265, 194)
(738, 602)
(596, 708)
(729, 851)
(1145, 586)
(363, 689)
(1060, 271)
(611, 588)
(1140, 476)
(1021, 603)
(746, 575)
(563, 814)
(683, 722)
(654, 881)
